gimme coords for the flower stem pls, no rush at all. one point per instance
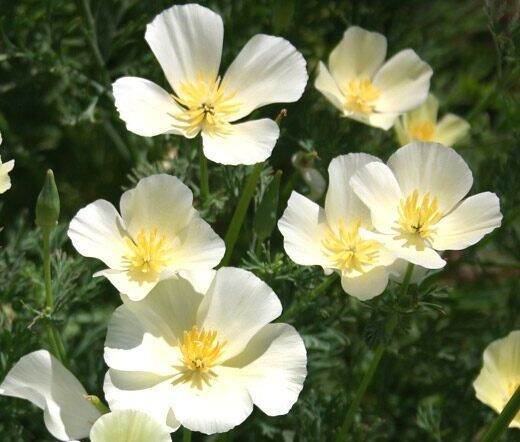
(504, 418)
(186, 435)
(204, 180)
(240, 212)
(374, 364)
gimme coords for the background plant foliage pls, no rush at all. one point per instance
(57, 60)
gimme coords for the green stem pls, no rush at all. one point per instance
(240, 213)
(504, 419)
(204, 179)
(186, 435)
(374, 364)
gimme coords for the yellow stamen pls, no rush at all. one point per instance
(348, 251)
(422, 131)
(360, 95)
(200, 349)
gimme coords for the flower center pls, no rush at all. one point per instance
(148, 254)
(200, 349)
(348, 251)
(418, 217)
(207, 107)
(422, 131)
(360, 96)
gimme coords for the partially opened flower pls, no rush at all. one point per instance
(332, 238)
(203, 360)
(500, 374)
(417, 206)
(187, 42)
(158, 235)
(5, 168)
(363, 88)
(421, 124)
(68, 413)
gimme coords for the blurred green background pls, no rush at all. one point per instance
(57, 61)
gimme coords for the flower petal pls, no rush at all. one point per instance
(125, 284)
(147, 109)
(267, 70)
(237, 306)
(328, 87)
(451, 129)
(377, 187)
(128, 426)
(404, 82)
(358, 55)
(433, 168)
(97, 232)
(341, 203)
(475, 217)
(5, 180)
(273, 368)
(246, 143)
(217, 407)
(41, 379)
(303, 226)
(187, 42)
(368, 285)
(424, 257)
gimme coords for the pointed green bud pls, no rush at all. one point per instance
(94, 400)
(48, 203)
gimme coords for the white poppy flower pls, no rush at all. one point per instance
(68, 414)
(158, 235)
(204, 360)
(187, 42)
(421, 124)
(417, 206)
(500, 374)
(5, 168)
(363, 88)
(333, 238)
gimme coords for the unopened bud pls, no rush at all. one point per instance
(48, 203)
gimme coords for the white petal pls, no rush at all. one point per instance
(41, 379)
(267, 70)
(328, 87)
(341, 203)
(97, 231)
(451, 129)
(303, 226)
(187, 42)
(5, 180)
(427, 111)
(381, 120)
(358, 55)
(475, 217)
(147, 109)
(159, 201)
(215, 408)
(377, 187)
(146, 392)
(403, 81)
(425, 257)
(237, 306)
(125, 284)
(368, 285)
(128, 426)
(199, 279)
(247, 143)
(433, 168)
(273, 368)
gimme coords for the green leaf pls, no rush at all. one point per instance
(266, 214)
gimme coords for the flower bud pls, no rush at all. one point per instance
(48, 203)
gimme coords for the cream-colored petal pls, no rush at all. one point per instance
(129, 426)
(41, 379)
(147, 109)
(424, 256)
(367, 285)
(303, 226)
(187, 42)
(267, 70)
(381, 120)
(97, 231)
(328, 87)
(358, 55)
(432, 168)
(246, 143)
(5, 180)
(451, 129)
(122, 280)
(475, 217)
(427, 111)
(403, 82)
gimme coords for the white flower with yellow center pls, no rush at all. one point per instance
(421, 125)
(363, 88)
(187, 42)
(158, 235)
(334, 238)
(500, 374)
(417, 206)
(69, 415)
(203, 360)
